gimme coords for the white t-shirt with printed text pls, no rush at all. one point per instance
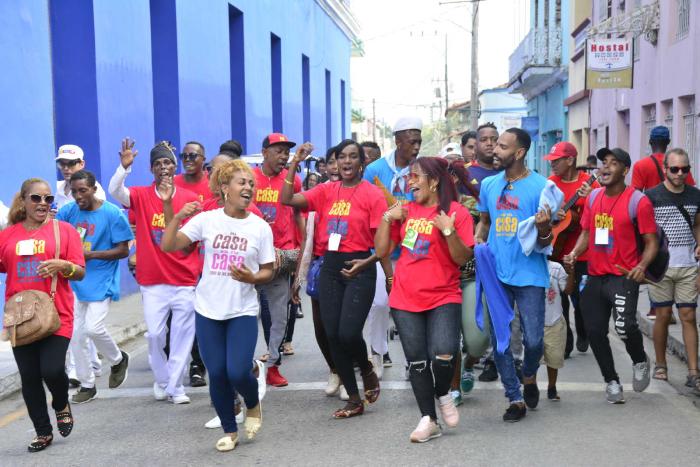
(552, 301)
(228, 241)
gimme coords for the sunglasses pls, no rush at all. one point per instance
(48, 199)
(190, 156)
(68, 164)
(674, 170)
(415, 176)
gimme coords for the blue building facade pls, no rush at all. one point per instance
(90, 72)
(538, 70)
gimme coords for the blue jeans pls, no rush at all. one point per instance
(227, 348)
(530, 302)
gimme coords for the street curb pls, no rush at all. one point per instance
(674, 345)
(11, 383)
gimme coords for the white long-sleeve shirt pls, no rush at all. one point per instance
(116, 187)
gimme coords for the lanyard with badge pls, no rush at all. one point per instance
(602, 234)
(335, 237)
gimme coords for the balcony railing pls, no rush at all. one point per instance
(541, 47)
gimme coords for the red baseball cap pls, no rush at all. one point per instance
(277, 138)
(561, 149)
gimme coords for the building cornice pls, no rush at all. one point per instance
(341, 15)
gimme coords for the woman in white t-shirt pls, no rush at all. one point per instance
(238, 254)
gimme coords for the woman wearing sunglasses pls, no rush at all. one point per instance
(435, 233)
(27, 256)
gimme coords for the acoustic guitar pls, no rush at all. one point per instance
(563, 228)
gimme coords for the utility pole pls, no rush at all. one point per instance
(447, 101)
(474, 103)
(374, 121)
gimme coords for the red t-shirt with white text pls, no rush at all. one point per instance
(268, 192)
(425, 277)
(201, 188)
(645, 174)
(153, 266)
(353, 212)
(22, 270)
(613, 213)
(569, 189)
(213, 203)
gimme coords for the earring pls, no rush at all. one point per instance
(225, 197)
(433, 189)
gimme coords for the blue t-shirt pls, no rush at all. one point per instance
(477, 174)
(99, 230)
(380, 170)
(507, 208)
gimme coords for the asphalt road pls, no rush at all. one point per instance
(127, 426)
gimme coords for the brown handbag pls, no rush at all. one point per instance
(31, 315)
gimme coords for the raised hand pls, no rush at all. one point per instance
(166, 189)
(189, 210)
(127, 154)
(442, 221)
(303, 152)
(397, 212)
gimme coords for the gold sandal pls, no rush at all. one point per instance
(253, 421)
(227, 443)
(351, 409)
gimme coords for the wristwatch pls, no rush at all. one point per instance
(447, 232)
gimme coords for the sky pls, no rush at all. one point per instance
(404, 43)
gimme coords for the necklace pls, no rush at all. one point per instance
(522, 175)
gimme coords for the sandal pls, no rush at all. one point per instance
(39, 443)
(287, 349)
(351, 409)
(264, 357)
(370, 381)
(661, 372)
(253, 420)
(64, 421)
(227, 443)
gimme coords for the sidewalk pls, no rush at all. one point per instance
(124, 322)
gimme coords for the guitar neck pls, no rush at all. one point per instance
(569, 204)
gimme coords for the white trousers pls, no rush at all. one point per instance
(95, 361)
(158, 302)
(378, 320)
(89, 327)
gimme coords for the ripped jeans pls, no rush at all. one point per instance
(424, 337)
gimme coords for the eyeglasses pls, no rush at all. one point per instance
(48, 199)
(68, 164)
(674, 170)
(190, 156)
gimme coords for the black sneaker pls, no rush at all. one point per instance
(519, 370)
(531, 394)
(552, 394)
(73, 383)
(490, 373)
(386, 360)
(119, 372)
(582, 344)
(197, 380)
(84, 395)
(515, 412)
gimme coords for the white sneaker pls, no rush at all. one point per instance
(333, 385)
(378, 364)
(240, 418)
(343, 393)
(179, 399)
(159, 393)
(214, 423)
(262, 381)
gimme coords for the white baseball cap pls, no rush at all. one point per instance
(450, 148)
(70, 152)
(408, 123)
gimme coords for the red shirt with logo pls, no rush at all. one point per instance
(279, 216)
(213, 203)
(569, 188)
(621, 249)
(201, 188)
(645, 174)
(153, 266)
(425, 276)
(22, 270)
(353, 212)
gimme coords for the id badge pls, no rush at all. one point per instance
(81, 232)
(25, 248)
(409, 240)
(601, 236)
(334, 241)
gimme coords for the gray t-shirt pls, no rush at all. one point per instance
(681, 241)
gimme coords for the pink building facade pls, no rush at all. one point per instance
(666, 85)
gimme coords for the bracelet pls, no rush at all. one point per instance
(390, 279)
(72, 272)
(549, 235)
(387, 217)
(288, 182)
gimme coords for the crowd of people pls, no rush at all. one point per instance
(476, 258)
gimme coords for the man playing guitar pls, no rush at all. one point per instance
(576, 185)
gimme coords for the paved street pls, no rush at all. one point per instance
(128, 427)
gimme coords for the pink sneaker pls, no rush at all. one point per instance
(448, 411)
(426, 430)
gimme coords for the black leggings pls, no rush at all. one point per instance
(320, 332)
(617, 295)
(345, 304)
(41, 362)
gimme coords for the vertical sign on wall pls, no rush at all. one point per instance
(609, 63)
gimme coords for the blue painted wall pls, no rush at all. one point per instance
(161, 69)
